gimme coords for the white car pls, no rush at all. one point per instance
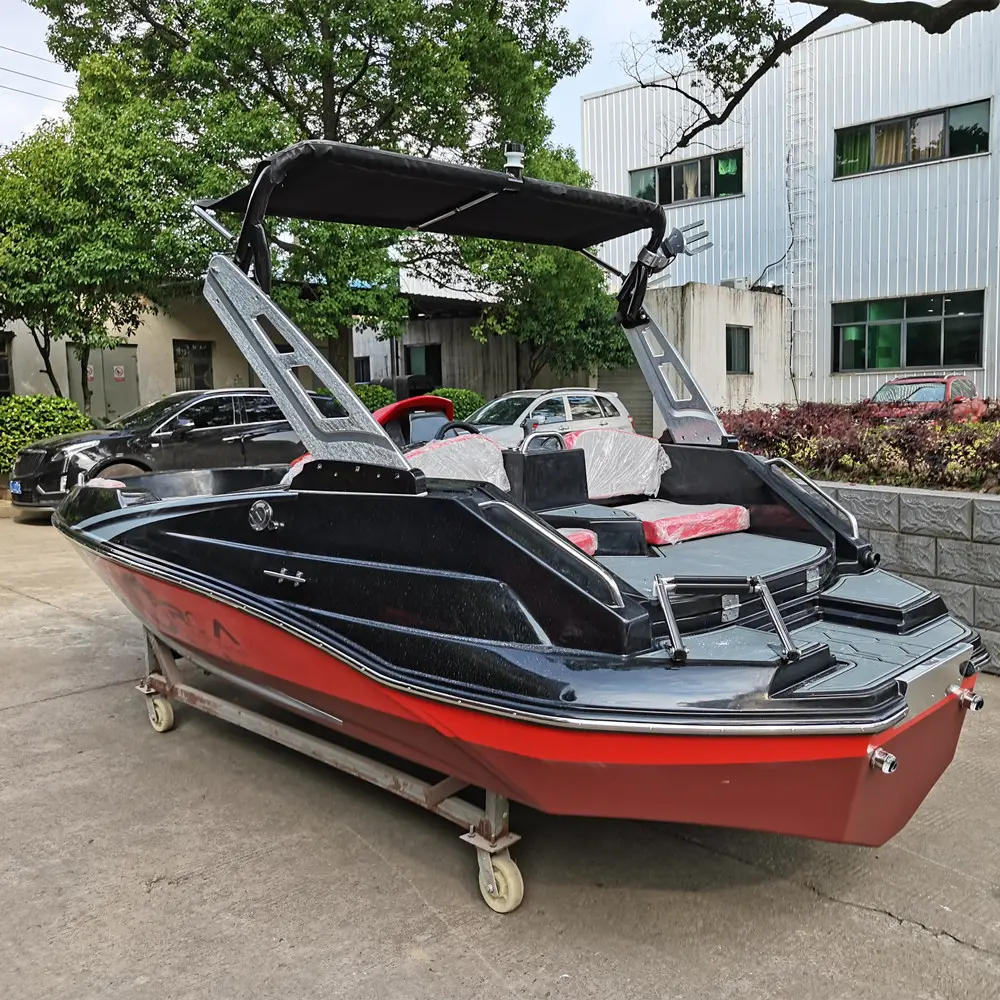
(511, 417)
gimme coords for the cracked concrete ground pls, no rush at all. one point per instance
(211, 863)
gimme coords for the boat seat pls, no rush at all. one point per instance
(582, 538)
(620, 463)
(471, 457)
(741, 555)
(665, 522)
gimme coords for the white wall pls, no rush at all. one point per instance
(694, 317)
(26, 364)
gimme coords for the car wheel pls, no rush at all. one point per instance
(121, 470)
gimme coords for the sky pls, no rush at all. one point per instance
(609, 24)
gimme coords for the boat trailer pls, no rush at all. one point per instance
(487, 830)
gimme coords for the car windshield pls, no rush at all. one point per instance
(505, 410)
(151, 413)
(910, 392)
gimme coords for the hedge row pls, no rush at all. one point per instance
(858, 443)
(27, 419)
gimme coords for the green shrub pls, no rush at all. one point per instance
(466, 401)
(27, 419)
(374, 396)
(857, 443)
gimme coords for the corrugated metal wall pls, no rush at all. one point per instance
(919, 229)
(629, 128)
(912, 230)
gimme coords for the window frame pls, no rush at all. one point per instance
(163, 429)
(606, 404)
(538, 404)
(583, 396)
(909, 119)
(738, 327)
(903, 321)
(699, 161)
(7, 357)
(185, 342)
(242, 412)
(366, 361)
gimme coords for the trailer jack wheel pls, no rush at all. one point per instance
(500, 881)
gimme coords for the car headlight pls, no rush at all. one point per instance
(77, 454)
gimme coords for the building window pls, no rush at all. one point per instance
(193, 364)
(363, 369)
(6, 375)
(717, 176)
(425, 360)
(737, 350)
(925, 331)
(920, 138)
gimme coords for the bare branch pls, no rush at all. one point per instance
(713, 118)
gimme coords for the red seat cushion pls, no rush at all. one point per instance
(582, 538)
(665, 522)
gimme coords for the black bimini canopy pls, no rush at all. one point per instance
(337, 182)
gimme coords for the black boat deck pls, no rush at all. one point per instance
(740, 554)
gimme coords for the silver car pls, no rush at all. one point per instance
(512, 416)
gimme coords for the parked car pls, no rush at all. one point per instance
(512, 416)
(186, 430)
(900, 395)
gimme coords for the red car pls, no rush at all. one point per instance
(899, 395)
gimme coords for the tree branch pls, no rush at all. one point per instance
(934, 19)
(781, 48)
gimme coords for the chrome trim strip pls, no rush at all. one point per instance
(596, 724)
(546, 532)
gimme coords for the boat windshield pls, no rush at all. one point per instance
(505, 410)
(910, 392)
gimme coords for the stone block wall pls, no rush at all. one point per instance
(949, 542)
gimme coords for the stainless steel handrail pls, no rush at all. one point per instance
(592, 565)
(785, 464)
(523, 446)
(663, 586)
(792, 652)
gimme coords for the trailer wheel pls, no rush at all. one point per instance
(161, 713)
(508, 886)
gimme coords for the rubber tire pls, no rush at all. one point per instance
(161, 714)
(120, 470)
(509, 883)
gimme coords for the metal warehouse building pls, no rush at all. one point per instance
(859, 177)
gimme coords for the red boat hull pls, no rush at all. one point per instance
(821, 787)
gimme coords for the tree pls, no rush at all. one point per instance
(713, 52)
(94, 223)
(452, 78)
(553, 301)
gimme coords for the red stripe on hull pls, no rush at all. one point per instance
(813, 786)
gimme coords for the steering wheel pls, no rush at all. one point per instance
(455, 425)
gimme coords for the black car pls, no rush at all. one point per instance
(187, 430)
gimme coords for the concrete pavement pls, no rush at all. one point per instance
(210, 863)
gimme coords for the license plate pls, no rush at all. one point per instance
(15, 488)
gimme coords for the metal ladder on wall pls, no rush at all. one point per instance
(800, 179)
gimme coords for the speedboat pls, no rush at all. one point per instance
(598, 624)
